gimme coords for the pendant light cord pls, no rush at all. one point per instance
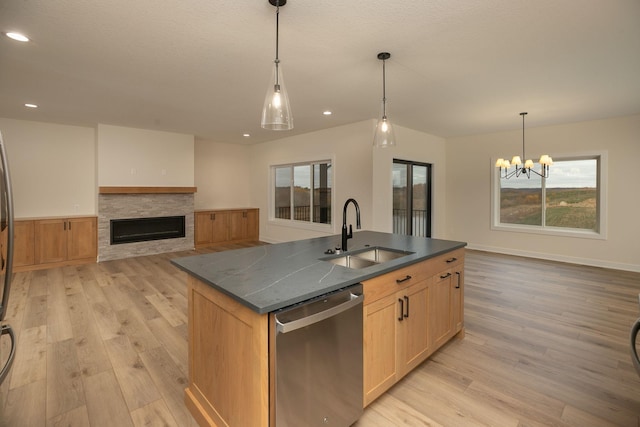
(384, 91)
(523, 156)
(277, 60)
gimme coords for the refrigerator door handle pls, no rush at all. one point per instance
(6, 329)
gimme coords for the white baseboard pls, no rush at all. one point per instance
(561, 258)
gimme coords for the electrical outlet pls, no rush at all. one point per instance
(164, 171)
(133, 171)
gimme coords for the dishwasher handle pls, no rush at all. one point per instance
(283, 328)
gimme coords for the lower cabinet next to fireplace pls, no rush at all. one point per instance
(218, 227)
(51, 242)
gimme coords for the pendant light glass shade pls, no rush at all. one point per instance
(384, 135)
(276, 113)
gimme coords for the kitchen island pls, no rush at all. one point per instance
(233, 294)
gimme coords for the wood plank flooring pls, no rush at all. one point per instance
(546, 345)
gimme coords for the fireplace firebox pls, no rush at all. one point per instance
(130, 230)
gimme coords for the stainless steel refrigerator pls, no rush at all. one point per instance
(7, 352)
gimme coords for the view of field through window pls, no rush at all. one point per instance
(568, 198)
(294, 197)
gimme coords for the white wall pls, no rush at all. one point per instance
(469, 172)
(222, 175)
(361, 172)
(140, 157)
(418, 147)
(52, 168)
(348, 147)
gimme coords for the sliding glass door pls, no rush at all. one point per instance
(411, 198)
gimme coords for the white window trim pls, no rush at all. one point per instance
(292, 223)
(601, 234)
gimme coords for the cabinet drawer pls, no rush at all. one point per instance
(389, 283)
(445, 261)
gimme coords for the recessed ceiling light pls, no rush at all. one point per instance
(31, 105)
(327, 113)
(17, 36)
(246, 135)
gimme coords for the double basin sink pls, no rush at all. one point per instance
(366, 257)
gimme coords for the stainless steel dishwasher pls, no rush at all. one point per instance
(319, 361)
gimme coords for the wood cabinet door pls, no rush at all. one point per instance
(238, 225)
(23, 237)
(380, 319)
(203, 228)
(219, 227)
(253, 224)
(82, 238)
(457, 301)
(440, 308)
(415, 345)
(50, 240)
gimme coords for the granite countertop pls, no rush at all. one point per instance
(269, 277)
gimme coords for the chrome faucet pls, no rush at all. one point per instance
(349, 235)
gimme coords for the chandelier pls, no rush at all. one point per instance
(526, 169)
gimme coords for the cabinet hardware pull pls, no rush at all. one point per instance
(407, 277)
(401, 301)
(406, 298)
(459, 276)
(213, 217)
(64, 226)
(445, 276)
(450, 260)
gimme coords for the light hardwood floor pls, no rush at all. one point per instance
(546, 345)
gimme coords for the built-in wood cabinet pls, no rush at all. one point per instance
(215, 227)
(395, 327)
(52, 242)
(24, 241)
(409, 314)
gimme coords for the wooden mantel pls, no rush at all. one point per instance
(146, 190)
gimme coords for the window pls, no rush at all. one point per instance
(570, 201)
(302, 192)
(411, 198)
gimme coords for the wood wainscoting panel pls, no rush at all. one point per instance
(228, 365)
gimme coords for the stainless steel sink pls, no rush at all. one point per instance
(351, 261)
(379, 255)
(366, 257)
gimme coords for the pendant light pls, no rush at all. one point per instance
(504, 164)
(384, 136)
(276, 113)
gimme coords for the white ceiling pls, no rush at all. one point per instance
(202, 66)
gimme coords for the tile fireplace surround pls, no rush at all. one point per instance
(143, 202)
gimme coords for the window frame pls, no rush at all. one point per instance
(294, 223)
(601, 193)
